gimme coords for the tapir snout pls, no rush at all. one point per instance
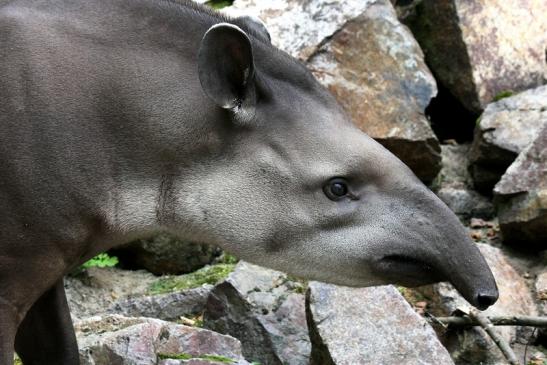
(432, 245)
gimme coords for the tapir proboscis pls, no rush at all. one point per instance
(122, 118)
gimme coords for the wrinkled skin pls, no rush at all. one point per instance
(122, 118)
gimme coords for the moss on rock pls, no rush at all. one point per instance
(207, 275)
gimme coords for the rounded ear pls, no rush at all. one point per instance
(258, 26)
(226, 68)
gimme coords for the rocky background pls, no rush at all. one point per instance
(455, 88)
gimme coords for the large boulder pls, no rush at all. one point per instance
(368, 326)
(521, 196)
(118, 340)
(168, 306)
(481, 49)
(165, 254)
(455, 187)
(505, 128)
(472, 346)
(369, 61)
(265, 311)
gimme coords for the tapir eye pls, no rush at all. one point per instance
(336, 188)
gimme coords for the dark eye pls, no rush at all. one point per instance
(336, 188)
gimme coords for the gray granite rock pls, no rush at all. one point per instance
(265, 311)
(454, 185)
(94, 290)
(521, 196)
(114, 291)
(168, 307)
(505, 128)
(368, 326)
(118, 340)
(479, 49)
(369, 61)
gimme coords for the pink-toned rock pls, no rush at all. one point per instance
(541, 296)
(118, 340)
(368, 326)
(541, 292)
(369, 61)
(479, 49)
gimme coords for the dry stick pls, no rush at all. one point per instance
(531, 321)
(485, 323)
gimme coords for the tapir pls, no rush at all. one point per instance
(123, 118)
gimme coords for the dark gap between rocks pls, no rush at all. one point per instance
(449, 118)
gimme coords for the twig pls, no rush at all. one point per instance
(528, 344)
(530, 321)
(485, 323)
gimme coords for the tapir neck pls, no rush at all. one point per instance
(116, 117)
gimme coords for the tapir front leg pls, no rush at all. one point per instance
(46, 335)
(8, 327)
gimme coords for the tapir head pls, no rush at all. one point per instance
(298, 188)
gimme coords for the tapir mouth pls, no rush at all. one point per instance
(407, 270)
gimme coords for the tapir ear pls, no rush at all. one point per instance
(226, 69)
(258, 26)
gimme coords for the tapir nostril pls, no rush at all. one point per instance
(486, 300)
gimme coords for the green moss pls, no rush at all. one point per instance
(101, 260)
(185, 356)
(181, 356)
(219, 4)
(218, 358)
(206, 275)
(227, 258)
(437, 182)
(502, 95)
(17, 360)
(478, 121)
(412, 296)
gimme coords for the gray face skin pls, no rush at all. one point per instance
(122, 118)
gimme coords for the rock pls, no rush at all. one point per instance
(168, 307)
(369, 61)
(265, 311)
(118, 340)
(541, 296)
(140, 293)
(481, 49)
(541, 292)
(521, 196)
(454, 185)
(95, 290)
(165, 254)
(368, 326)
(505, 128)
(473, 346)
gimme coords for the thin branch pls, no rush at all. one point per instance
(530, 321)
(485, 323)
